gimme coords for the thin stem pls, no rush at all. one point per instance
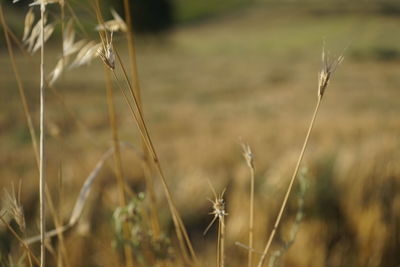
(146, 150)
(118, 162)
(179, 226)
(285, 200)
(251, 217)
(222, 241)
(42, 175)
(132, 50)
(137, 91)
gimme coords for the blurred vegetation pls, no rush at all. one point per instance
(241, 68)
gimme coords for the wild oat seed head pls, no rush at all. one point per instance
(86, 54)
(30, 41)
(29, 19)
(45, 2)
(48, 31)
(114, 25)
(55, 74)
(68, 36)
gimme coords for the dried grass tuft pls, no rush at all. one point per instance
(12, 205)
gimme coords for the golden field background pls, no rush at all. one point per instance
(250, 73)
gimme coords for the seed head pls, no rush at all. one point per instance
(248, 155)
(106, 53)
(328, 68)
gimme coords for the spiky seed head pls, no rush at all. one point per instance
(327, 69)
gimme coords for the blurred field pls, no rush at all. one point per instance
(251, 73)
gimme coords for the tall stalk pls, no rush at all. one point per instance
(42, 155)
(296, 170)
(248, 155)
(148, 170)
(328, 68)
(118, 163)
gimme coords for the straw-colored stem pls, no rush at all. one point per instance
(42, 156)
(251, 217)
(137, 91)
(118, 163)
(58, 225)
(285, 200)
(179, 226)
(132, 50)
(221, 241)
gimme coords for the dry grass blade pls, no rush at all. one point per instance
(29, 19)
(80, 202)
(84, 193)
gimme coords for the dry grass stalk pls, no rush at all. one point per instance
(42, 156)
(117, 156)
(135, 108)
(219, 213)
(106, 54)
(81, 199)
(183, 238)
(276, 255)
(324, 77)
(137, 90)
(248, 155)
